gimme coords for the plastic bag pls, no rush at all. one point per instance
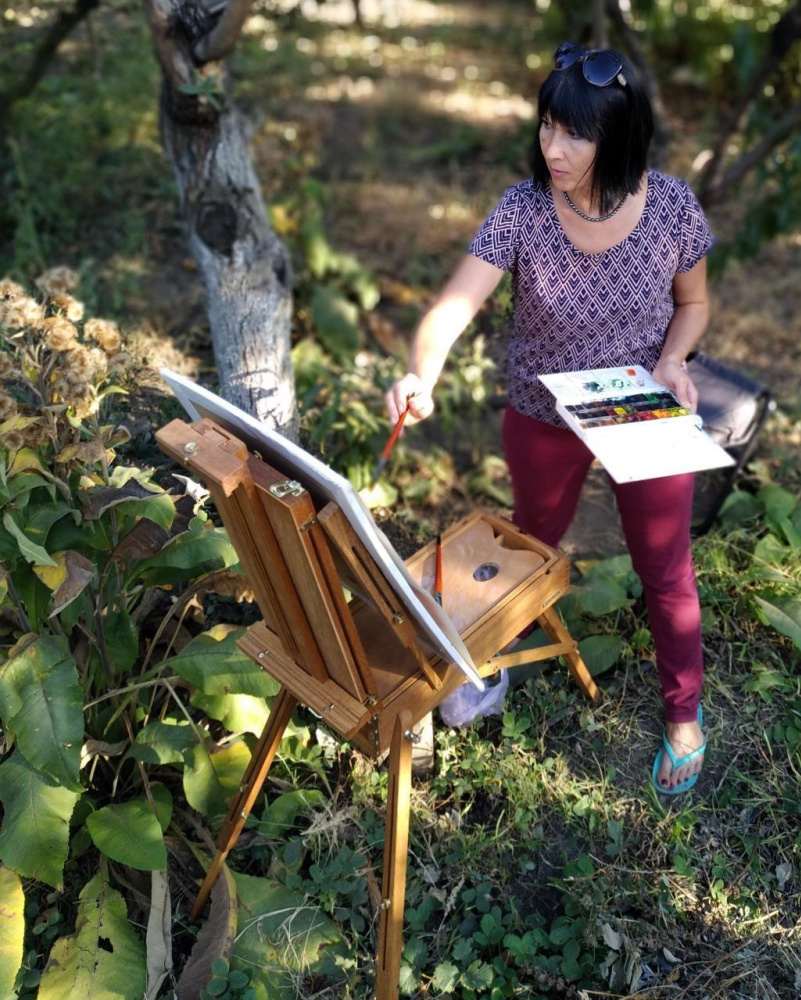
(467, 703)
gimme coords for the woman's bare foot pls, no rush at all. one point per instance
(684, 737)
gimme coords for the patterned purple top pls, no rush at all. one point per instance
(576, 310)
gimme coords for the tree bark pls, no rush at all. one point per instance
(245, 268)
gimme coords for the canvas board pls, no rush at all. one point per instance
(326, 485)
(634, 425)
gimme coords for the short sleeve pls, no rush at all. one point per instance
(497, 240)
(695, 238)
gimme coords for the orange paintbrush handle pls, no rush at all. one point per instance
(438, 572)
(393, 437)
(391, 441)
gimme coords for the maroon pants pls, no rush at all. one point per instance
(548, 466)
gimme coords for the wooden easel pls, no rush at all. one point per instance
(360, 664)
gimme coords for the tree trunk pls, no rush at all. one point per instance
(244, 266)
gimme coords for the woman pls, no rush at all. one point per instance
(608, 266)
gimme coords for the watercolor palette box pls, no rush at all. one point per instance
(632, 424)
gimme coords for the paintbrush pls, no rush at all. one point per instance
(438, 572)
(391, 440)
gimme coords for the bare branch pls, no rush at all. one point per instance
(58, 31)
(221, 40)
(756, 154)
(785, 34)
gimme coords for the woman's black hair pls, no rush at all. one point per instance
(617, 118)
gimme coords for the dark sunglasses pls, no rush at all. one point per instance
(600, 67)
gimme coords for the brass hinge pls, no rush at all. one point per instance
(309, 524)
(289, 487)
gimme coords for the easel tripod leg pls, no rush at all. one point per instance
(396, 847)
(253, 779)
(552, 626)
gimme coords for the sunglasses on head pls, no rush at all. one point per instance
(600, 67)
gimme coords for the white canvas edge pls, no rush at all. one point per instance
(430, 617)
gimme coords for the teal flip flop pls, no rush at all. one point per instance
(683, 786)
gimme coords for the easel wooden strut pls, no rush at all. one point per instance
(361, 664)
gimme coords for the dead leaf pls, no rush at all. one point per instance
(98, 748)
(215, 940)
(71, 575)
(158, 940)
(611, 937)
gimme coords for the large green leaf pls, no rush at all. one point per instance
(187, 557)
(129, 832)
(34, 839)
(104, 959)
(12, 928)
(163, 742)
(778, 502)
(39, 522)
(279, 934)
(41, 703)
(158, 509)
(282, 813)
(784, 616)
(213, 663)
(601, 595)
(34, 553)
(211, 779)
(239, 713)
(600, 652)
(121, 637)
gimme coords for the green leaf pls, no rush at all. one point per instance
(561, 931)
(282, 814)
(34, 553)
(602, 595)
(408, 981)
(214, 664)
(446, 976)
(778, 502)
(187, 557)
(39, 522)
(211, 779)
(163, 742)
(160, 509)
(41, 703)
(570, 969)
(335, 321)
(785, 617)
(34, 840)
(279, 934)
(479, 976)
(615, 568)
(104, 959)
(739, 507)
(790, 532)
(121, 637)
(600, 652)
(12, 929)
(239, 713)
(130, 833)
